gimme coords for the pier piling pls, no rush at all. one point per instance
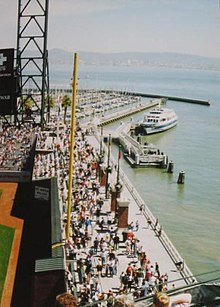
(170, 167)
(181, 178)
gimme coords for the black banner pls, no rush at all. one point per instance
(6, 62)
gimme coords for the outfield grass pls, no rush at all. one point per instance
(6, 235)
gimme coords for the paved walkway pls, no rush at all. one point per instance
(153, 245)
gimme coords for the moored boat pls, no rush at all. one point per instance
(159, 120)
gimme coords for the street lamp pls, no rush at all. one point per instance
(108, 169)
(101, 154)
(101, 138)
(118, 185)
(118, 169)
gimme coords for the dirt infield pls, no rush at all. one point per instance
(6, 205)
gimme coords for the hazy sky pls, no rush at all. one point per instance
(186, 26)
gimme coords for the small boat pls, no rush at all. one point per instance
(159, 120)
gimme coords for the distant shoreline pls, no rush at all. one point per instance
(136, 65)
(136, 59)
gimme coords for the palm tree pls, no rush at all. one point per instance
(51, 102)
(28, 102)
(66, 102)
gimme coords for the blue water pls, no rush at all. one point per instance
(189, 213)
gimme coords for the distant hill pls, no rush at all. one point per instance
(163, 59)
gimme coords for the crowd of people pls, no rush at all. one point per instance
(160, 299)
(94, 242)
(15, 146)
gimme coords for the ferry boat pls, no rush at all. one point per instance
(158, 120)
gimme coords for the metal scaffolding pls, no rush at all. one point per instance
(32, 61)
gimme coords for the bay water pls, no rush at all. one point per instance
(190, 212)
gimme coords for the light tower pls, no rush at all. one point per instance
(32, 59)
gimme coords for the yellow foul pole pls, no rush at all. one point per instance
(72, 137)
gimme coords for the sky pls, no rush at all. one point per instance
(184, 26)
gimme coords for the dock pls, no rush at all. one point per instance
(138, 154)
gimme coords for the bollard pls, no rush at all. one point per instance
(165, 159)
(181, 177)
(103, 178)
(137, 159)
(170, 167)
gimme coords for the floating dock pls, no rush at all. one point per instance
(137, 154)
(141, 155)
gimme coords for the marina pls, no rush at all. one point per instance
(63, 90)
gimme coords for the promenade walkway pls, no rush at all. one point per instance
(158, 248)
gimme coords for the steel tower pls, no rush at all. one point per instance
(32, 60)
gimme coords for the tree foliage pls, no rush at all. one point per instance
(65, 103)
(28, 102)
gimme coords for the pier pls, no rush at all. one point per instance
(169, 97)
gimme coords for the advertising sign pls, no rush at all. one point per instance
(7, 82)
(41, 193)
(7, 95)
(6, 62)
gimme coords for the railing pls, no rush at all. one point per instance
(131, 140)
(168, 245)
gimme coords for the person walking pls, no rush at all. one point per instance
(116, 241)
(137, 225)
(141, 208)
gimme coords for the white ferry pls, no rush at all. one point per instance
(159, 120)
